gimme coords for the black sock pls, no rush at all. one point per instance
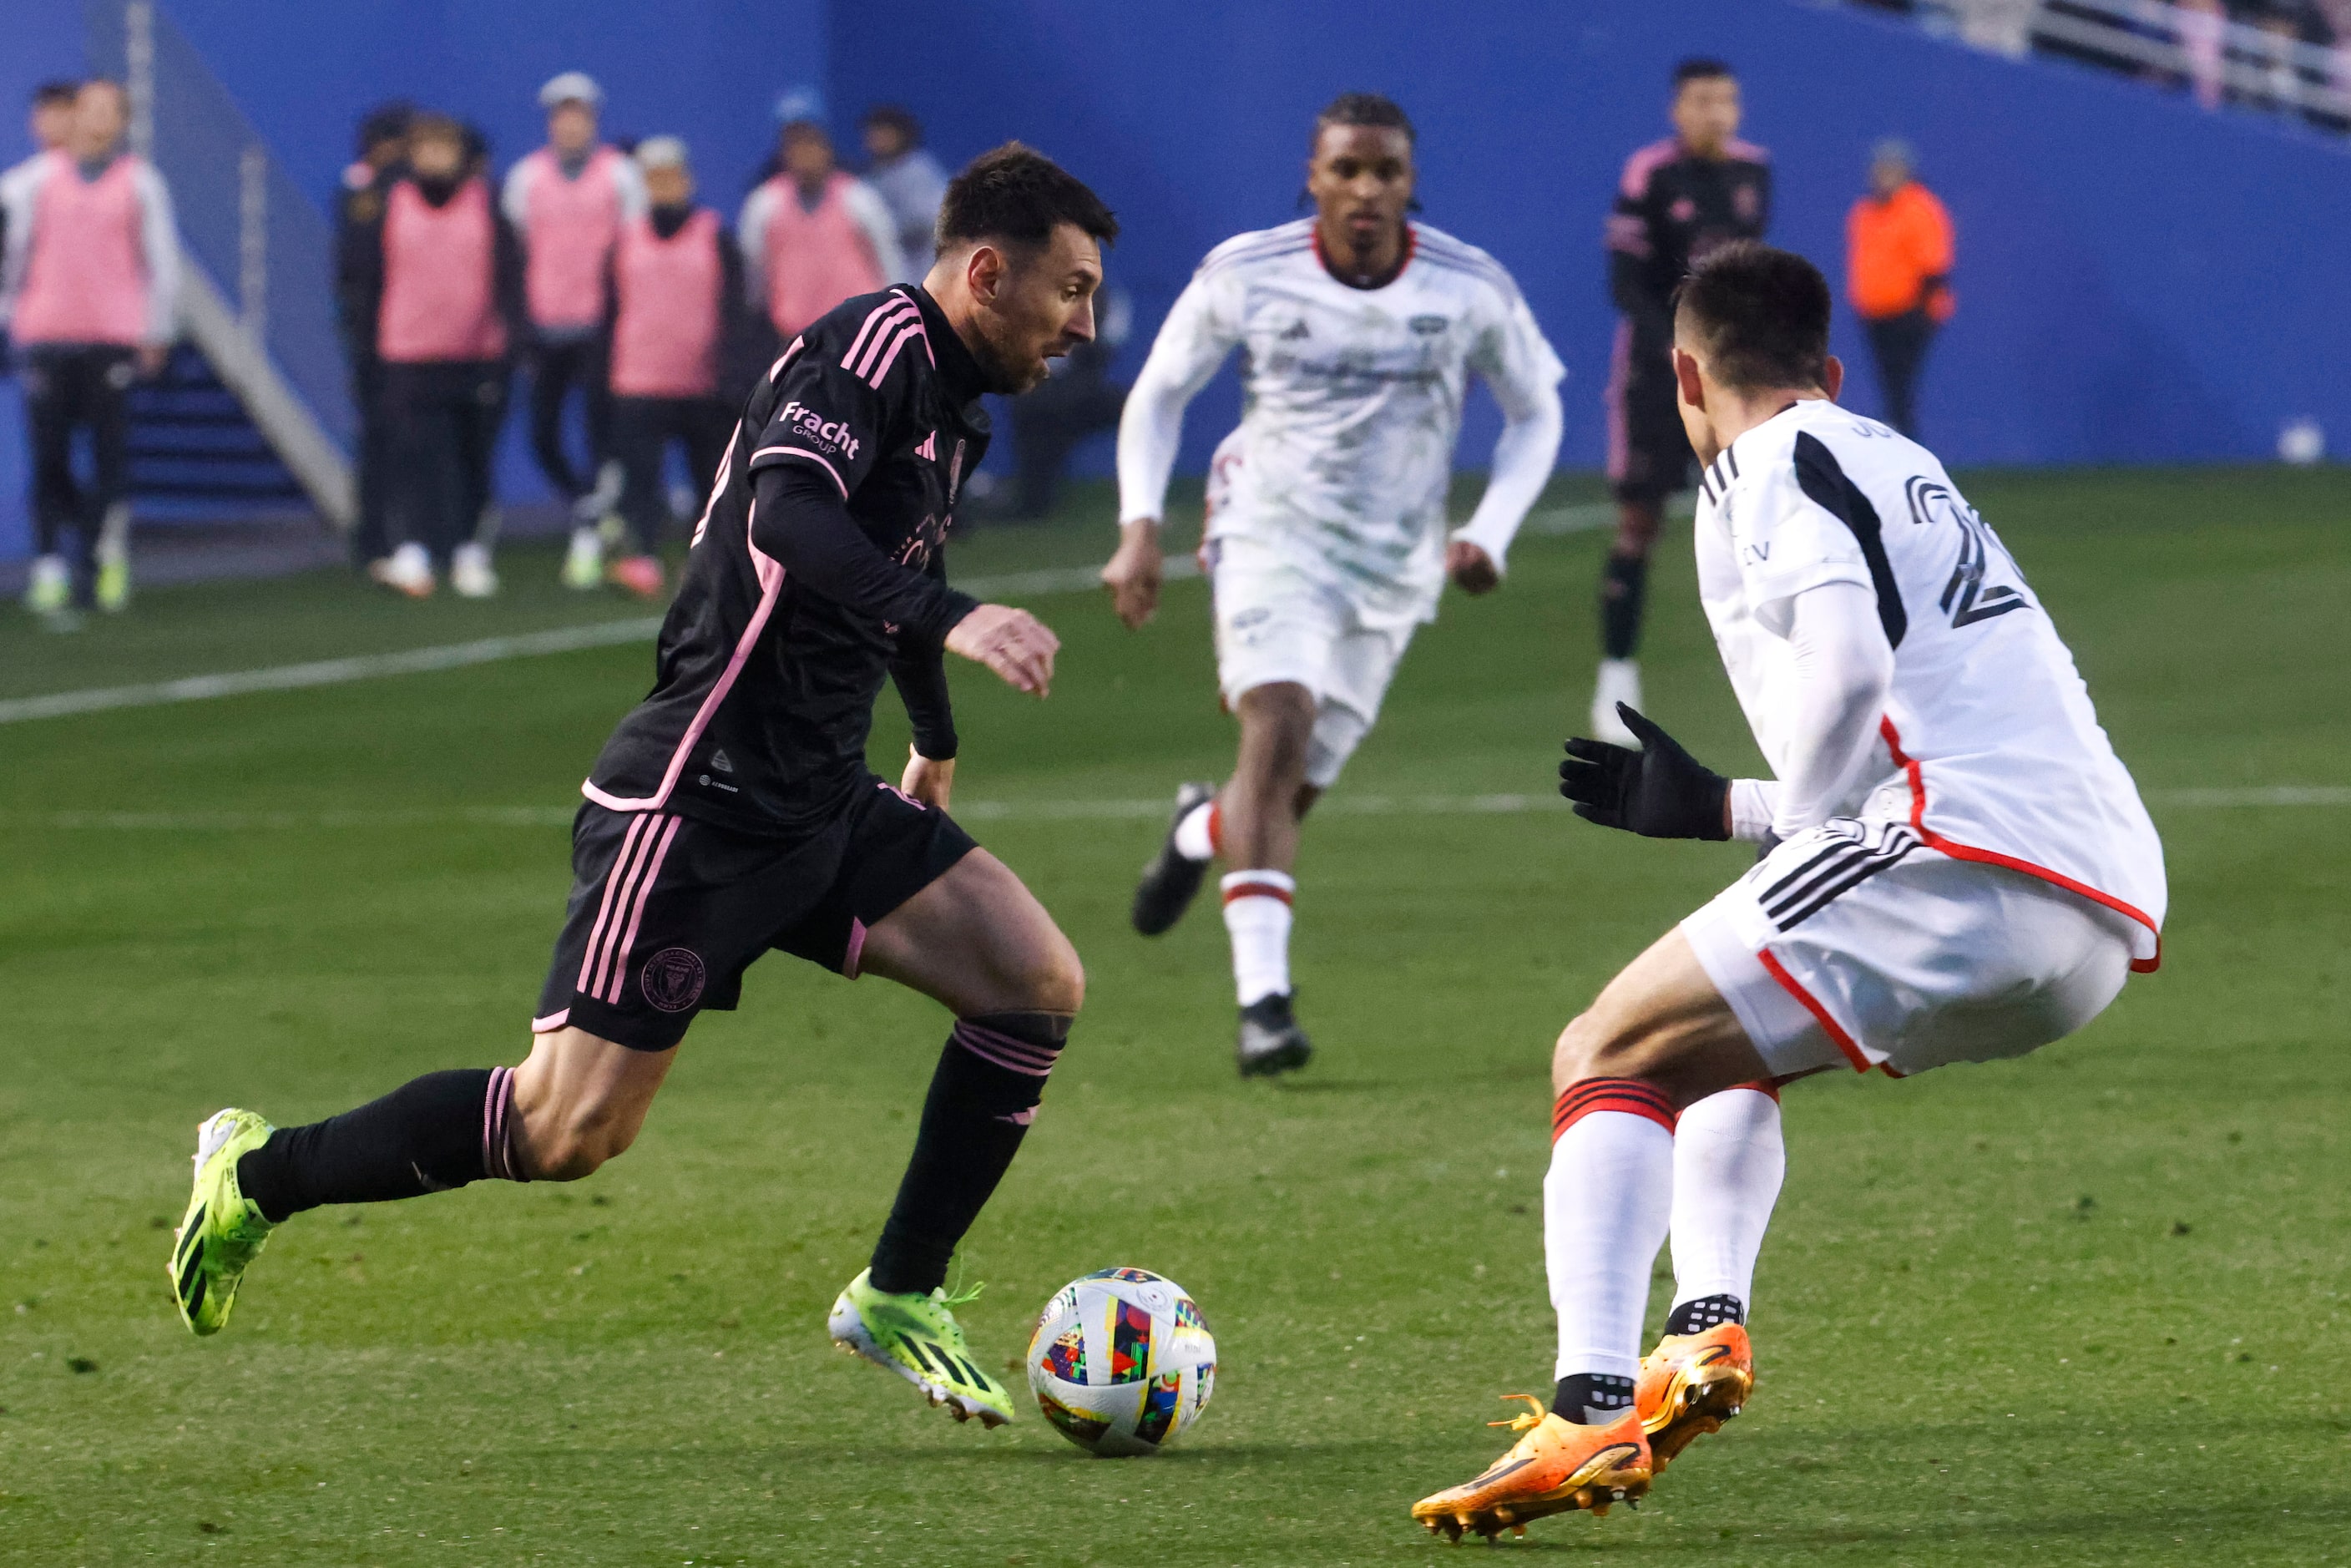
(1592, 1399)
(982, 1099)
(427, 1135)
(1623, 586)
(1696, 1317)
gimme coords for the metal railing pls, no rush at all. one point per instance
(243, 223)
(2200, 52)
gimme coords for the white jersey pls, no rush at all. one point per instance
(1353, 405)
(1988, 748)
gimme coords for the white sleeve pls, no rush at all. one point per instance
(1199, 331)
(1518, 363)
(751, 239)
(873, 214)
(1843, 667)
(628, 181)
(159, 238)
(513, 196)
(19, 187)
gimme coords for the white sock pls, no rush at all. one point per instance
(1257, 914)
(1196, 837)
(1606, 1201)
(1729, 1159)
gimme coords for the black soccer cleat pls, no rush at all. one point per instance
(1171, 881)
(1270, 1041)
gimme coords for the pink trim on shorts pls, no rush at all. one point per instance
(588, 963)
(848, 960)
(637, 912)
(551, 1022)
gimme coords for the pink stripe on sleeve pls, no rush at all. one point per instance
(882, 322)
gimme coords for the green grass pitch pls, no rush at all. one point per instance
(2086, 1307)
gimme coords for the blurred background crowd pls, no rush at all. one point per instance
(524, 306)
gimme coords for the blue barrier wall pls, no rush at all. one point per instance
(2139, 280)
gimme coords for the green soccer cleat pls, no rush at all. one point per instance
(114, 585)
(224, 1231)
(918, 1338)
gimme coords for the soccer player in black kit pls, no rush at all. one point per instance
(733, 811)
(1679, 198)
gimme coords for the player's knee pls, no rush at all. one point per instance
(1053, 980)
(576, 1145)
(1591, 1048)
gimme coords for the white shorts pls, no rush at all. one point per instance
(1277, 623)
(1854, 942)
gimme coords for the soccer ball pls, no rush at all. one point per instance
(1121, 1362)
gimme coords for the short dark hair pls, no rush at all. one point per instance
(1372, 108)
(55, 91)
(1015, 193)
(1701, 68)
(1759, 317)
(895, 117)
(387, 121)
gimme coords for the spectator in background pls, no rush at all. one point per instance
(90, 288)
(910, 183)
(677, 332)
(813, 235)
(1077, 399)
(2003, 26)
(2203, 29)
(443, 282)
(1899, 276)
(566, 202)
(358, 210)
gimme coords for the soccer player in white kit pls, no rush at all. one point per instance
(1326, 542)
(1956, 867)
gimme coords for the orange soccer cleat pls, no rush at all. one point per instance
(1558, 1467)
(1690, 1384)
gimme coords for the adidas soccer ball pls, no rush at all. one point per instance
(1121, 1362)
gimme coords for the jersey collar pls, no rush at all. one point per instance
(959, 373)
(1411, 244)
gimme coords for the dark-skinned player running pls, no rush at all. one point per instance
(733, 811)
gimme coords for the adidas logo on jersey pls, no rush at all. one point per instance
(721, 761)
(929, 450)
(1296, 330)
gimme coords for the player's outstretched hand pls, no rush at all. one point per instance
(1014, 644)
(1471, 568)
(1135, 572)
(1659, 791)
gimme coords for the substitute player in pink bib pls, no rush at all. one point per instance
(568, 201)
(814, 235)
(89, 289)
(677, 332)
(1954, 867)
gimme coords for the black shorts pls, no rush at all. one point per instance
(1649, 455)
(667, 912)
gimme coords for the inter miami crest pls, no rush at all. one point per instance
(673, 980)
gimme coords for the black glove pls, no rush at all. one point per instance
(1659, 791)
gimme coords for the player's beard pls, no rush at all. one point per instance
(1002, 366)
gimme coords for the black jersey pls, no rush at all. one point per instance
(1672, 207)
(817, 569)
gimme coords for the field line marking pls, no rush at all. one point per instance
(458, 655)
(1046, 810)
